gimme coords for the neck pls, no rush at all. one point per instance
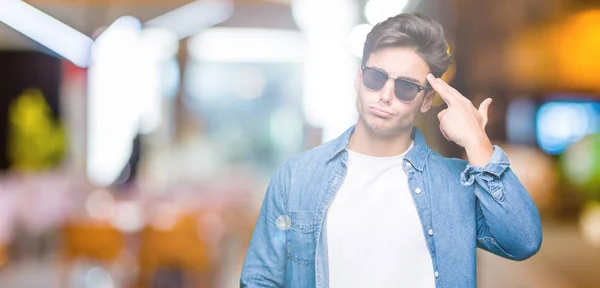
(365, 141)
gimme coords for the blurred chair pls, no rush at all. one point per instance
(3, 256)
(177, 254)
(99, 242)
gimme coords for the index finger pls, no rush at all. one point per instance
(446, 95)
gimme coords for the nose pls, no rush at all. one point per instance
(387, 92)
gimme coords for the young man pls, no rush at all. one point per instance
(376, 207)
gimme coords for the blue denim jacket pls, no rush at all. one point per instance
(461, 207)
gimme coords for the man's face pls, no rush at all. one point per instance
(381, 111)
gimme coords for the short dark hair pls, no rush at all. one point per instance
(416, 31)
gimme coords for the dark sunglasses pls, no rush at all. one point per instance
(405, 91)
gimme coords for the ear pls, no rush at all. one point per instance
(427, 100)
(358, 80)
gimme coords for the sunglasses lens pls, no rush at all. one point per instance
(373, 79)
(405, 91)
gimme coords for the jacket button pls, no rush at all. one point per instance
(430, 232)
(437, 274)
(418, 190)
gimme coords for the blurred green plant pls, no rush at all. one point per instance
(581, 166)
(36, 141)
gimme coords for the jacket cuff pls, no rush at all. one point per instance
(494, 169)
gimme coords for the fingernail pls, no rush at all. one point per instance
(429, 76)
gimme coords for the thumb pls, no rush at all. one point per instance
(483, 110)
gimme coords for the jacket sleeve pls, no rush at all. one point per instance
(264, 265)
(508, 222)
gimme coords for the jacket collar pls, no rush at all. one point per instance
(416, 156)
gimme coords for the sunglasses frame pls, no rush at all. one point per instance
(390, 77)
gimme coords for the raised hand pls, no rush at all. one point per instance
(462, 123)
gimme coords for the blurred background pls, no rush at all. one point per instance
(137, 137)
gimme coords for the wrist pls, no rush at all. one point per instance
(479, 151)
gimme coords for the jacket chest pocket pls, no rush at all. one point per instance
(301, 246)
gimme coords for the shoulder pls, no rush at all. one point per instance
(308, 160)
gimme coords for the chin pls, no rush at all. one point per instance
(391, 127)
(383, 128)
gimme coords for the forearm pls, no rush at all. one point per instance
(508, 222)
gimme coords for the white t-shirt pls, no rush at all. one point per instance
(374, 234)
